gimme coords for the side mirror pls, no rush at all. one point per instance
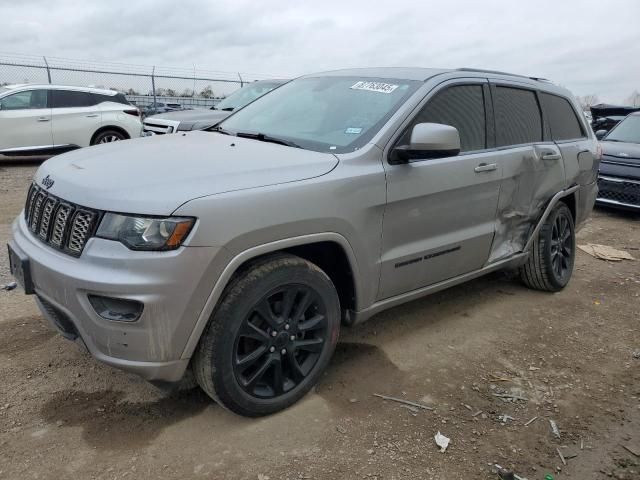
(428, 140)
(600, 134)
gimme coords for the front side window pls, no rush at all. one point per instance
(562, 117)
(627, 130)
(324, 114)
(518, 118)
(461, 107)
(29, 99)
(71, 99)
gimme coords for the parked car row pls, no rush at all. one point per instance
(604, 117)
(238, 252)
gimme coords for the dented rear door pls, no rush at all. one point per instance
(532, 166)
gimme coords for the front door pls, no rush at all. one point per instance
(25, 121)
(440, 215)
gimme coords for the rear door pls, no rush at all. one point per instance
(533, 170)
(440, 213)
(75, 117)
(25, 120)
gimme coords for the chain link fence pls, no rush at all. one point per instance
(142, 84)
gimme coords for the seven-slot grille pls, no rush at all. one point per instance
(61, 224)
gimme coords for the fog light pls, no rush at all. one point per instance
(116, 309)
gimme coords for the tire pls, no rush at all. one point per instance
(259, 353)
(550, 263)
(108, 136)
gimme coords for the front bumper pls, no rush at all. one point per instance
(618, 192)
(159, 126)
(169, 284)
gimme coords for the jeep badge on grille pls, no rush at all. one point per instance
(47, 182)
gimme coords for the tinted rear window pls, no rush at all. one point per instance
(70, 98)
(518, 118)
(562, 117)
(119, 98)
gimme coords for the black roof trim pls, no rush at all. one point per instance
(497, 72)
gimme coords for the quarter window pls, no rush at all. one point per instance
(29, 99)
(562, 117)
(461, 107)
(518, 118)
(70, 99)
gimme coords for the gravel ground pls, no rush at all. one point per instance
(569, 355)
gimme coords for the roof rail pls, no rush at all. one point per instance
(497, 72)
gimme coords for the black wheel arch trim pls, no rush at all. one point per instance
(547, 211)
(237, 262)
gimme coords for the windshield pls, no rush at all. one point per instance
(325, 114)
(627, 130)
(246, 95)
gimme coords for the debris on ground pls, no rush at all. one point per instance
(604, 252)
(631, 449)
(341, 429)
(442, 441)
(9, 286)
(505, 474)
(508, 396)
(504, 418)
(530, 421)
(564, 462)
(406, 402)
(554, 428)
(636, 355)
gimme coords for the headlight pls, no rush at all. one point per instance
(145, 233)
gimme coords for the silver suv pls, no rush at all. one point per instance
(239, 252)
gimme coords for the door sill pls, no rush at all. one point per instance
(354, 318)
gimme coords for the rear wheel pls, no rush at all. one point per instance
(271, 338)
(108, 136)
(550, 263)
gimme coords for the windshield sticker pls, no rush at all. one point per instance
(375, 87)
(353, 131)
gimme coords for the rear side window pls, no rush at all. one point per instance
(518, 118)
(70, 98)
(118, 98)
(461, 107)
(562, 117)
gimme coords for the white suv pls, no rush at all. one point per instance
(49, 118)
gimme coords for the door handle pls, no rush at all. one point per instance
(486, 167)
(43, 119)
(93, 115)
(551, 156)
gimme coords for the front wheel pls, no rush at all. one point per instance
(550, 263)
(271, 337)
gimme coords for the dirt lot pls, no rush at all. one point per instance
(570, 355)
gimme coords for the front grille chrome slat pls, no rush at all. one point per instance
(62, 225)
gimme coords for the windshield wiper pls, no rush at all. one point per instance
(266, 138)
(227, 109)
(219, 130)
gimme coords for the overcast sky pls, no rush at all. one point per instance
(588, 46)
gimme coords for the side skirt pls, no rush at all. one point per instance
(354, 318)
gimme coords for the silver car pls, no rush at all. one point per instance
(240, 252)
(198, 119)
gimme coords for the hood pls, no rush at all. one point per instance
(621, 151)
(155, 175)
(193, 116)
